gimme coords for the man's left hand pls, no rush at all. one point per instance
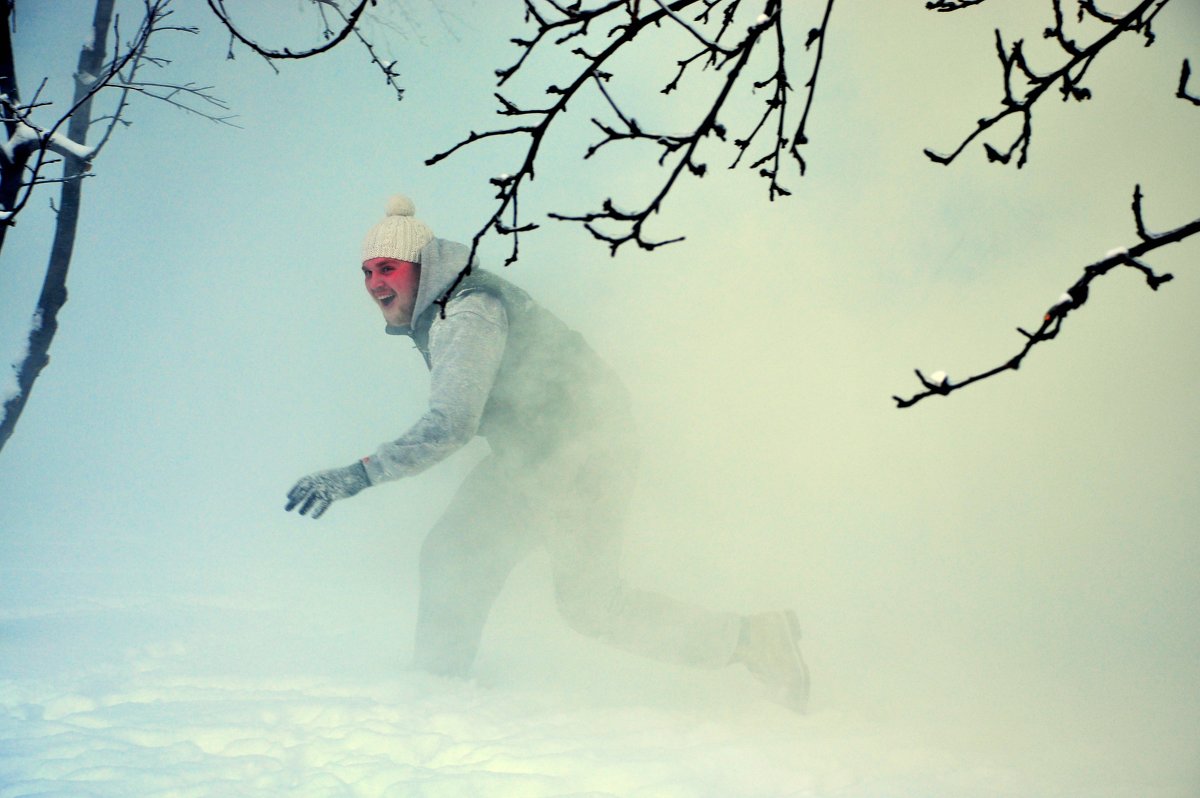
(314, 493)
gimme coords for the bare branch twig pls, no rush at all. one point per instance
(1182, 92)
(331, 41)
(708, 22)
(1019, 101)
(332, 38)
(1072, 299)
(33, 144)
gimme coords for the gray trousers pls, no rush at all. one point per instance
(574, 504)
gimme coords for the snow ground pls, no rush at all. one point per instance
(204, 697)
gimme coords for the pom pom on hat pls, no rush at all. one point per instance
(400, 235)
(400, 205)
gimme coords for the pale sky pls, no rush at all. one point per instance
(1024, 549)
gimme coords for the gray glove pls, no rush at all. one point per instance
(317, 491)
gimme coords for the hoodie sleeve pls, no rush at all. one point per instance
(465, 350)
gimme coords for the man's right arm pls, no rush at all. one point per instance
(465, 350)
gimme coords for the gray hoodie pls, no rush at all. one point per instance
(501, 366)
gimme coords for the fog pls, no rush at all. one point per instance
(997, 589)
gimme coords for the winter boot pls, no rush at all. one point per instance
(769, 647)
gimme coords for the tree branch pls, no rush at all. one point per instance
(508, 185)
(1074, 298)
(332, 38)
(818, 35)
(708, 22)
(1182, 92)
(29, 143)
(951, 5)
(54, 287)
(1068, 77)
(686, 147)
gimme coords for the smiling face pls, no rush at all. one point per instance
(393, 285)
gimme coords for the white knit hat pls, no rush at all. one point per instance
(400, 235)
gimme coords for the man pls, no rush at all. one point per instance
(560, 473)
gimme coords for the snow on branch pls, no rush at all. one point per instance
(939, 384)
(1024, 86)
(724, 35)
(25, 135)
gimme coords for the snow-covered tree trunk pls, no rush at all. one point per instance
(54, 287)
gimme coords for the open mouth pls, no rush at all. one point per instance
(387, 301)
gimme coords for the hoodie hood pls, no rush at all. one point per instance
(441, 262)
